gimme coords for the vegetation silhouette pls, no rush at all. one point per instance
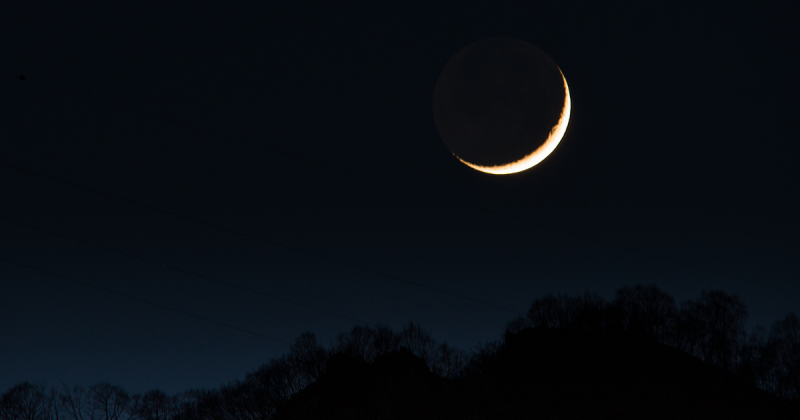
(570, 357)
(549, 373)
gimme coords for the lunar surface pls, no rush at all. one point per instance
(501, 105)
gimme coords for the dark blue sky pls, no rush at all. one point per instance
(681, 145)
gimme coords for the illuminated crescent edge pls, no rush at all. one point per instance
(556, 133)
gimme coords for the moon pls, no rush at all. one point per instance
(501, 105)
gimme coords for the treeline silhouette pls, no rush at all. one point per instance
(639, 356)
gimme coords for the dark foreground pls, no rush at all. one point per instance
(540, 374)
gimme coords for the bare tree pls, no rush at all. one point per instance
(587, 312)
(480, 357)
(384, 340)
(449, 361)
(647, 310)
(784, 341)
(110, 402)
(53, 406)
(273, 384)
(153, 405)
(760, 361)
(202, 405)
(307, 358)
(25, 401)
(356, 343)
(247, 400)
(772, 361)
(517, 324)
(419, 341)
(188, 407)
(550, 311)
(689, 329)
(725, 317)
(713, 328)
(76, 403)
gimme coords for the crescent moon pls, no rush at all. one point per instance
(527, 162)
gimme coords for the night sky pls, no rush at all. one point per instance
(292, 151)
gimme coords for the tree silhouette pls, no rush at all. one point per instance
(25, 401)
(246, 400)
(384, 340)
(307, 357)
(449, 361)
(419, 341)
(784, 346)
(188, 406)
(367, 343)
(109, 402)
(271, 385)
(587, 312)
(52, 405)
(689, 331)
(75, 403)
(480, 359)
(356, 343)
(714, 328)
(641, 323)
(153, 405)
(550, 311)
(203, 404)
(517, 324)
(647, 311)
(726, 318)
(762, 361)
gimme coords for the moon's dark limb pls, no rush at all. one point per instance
(497, 100)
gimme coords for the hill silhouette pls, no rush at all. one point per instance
(568, 357)
(396, 385)
(547, 373)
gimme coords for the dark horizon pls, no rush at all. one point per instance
(641, 343)
(277, 169)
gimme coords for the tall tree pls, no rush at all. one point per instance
(784, 340)
(76, 403)
(587, 311)
(384, 340)
(689, 329)
(725, 317)
(356, 343)
(480, 358)
(648, 311)
(245, 400)
(25, 401)
(153, 405)
(449, 361)
(517, 324)
(713, 328)
(550, 311)
(110, 402)
(53, 404)
(307, 358)
(188, 407)
(201, 404)
(759, 362)
(419, 341)
(273, 383)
